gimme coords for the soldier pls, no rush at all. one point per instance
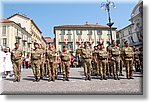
(141, 57)
(16, 55)
(86, 61)
(94, 60)
(36, 61)
(102, 59)
(42, 67)
(65, 59)
(136, 60)
(128, 55)
(121, 61)
(50, 59)
(115, 56)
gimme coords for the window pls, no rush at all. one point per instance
(62, 38)
(4, 31)
(79, 32)
(99, 32)
(17, 40)
(62, 32)
(5, 42)
(69, 31)
(89, 32)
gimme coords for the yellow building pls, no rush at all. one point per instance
(73, 35)
(30, 26)
(11, 32)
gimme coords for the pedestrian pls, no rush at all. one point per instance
(2, 59)
(8, 68)
(128, 55)
(16, 56)
(36, 55)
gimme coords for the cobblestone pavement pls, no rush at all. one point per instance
(76, 85)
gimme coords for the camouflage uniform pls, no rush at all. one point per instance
(102, 59)
(86, 61)
(65, 59)
(16, 55)
(95, 64)
(35, 63)
(51, 70)
(42, 69)
(128, 59)
(136, 60)
(115, 54)
(121, 63)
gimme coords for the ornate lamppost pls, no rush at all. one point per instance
(107, 5)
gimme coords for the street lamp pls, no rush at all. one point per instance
(107, 5)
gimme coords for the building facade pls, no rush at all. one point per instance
(133, 33)
(11, 32)
(74, 35)
(49, 40)
(30, 26)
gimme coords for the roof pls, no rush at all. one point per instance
(17, 14)
(84, 26)
(5, 21)
(9, 21)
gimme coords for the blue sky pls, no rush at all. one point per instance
(47, 15)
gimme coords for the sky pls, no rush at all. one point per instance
(46, 15)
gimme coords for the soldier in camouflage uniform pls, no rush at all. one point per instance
(128, 55)
(94, 60)
(16, 55)
(42, 67)
(115, 56)
(121, 61)
(136, 60)
(65, 61)
(50, 59)
(102, 59)
(36, 62)
(86, 61)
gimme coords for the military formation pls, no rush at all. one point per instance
(100, 61)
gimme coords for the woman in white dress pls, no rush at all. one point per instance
(2, 55)
(8, 64)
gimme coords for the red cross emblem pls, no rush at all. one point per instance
(66, 41)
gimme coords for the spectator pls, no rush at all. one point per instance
(8, 68)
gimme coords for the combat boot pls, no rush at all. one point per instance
(105, 78)
(86, 78)
(38, 80)
(67, 79)
(115, 78)
(49, 80)
(89, 78)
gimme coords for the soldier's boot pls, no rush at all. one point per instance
(115, 78)
(49, 79)
(118, 77)
(89, 77)
(64, 78)
(86, 78)
(53, 79)
(101, 77)
(38, 79)
(67, 79)
(56, 77)
(104, 77)
(15, 80)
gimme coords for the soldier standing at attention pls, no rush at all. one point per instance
(36, 62)
(115, 56)
(102, 59)
(136, 60)
(95, 62)
(65, 59)
(42, 68)
(128, 55)
(16, 55)
(121, 61)
(86, 57)
(50, 59)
